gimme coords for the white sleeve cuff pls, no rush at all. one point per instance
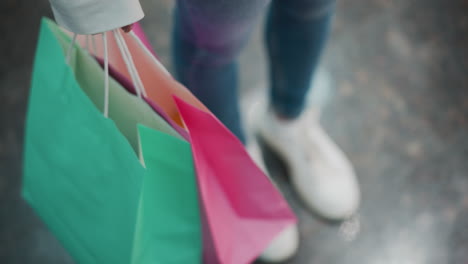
(95, 16)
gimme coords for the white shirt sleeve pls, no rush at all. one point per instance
(95, 16)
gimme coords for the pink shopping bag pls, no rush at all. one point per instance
(243, 210)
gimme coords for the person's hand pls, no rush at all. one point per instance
(127, 28)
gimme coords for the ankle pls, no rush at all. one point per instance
(281, 117)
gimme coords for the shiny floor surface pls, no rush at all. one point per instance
(394, 90)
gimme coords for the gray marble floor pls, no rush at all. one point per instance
(396, 100)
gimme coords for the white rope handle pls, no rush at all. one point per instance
(129, 63)
(70, 48)
(148, 53)
(106, 76)
(132, 63)
(106, 65)
(87, 43)
(93, 44)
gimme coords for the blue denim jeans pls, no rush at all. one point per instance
(209, 35)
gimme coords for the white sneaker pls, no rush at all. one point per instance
(320, 172)
(286, 243)
(283, 247)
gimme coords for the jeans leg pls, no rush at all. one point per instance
(207, 39)
(295, 36)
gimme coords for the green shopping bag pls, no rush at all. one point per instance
(177, 236)
(84, 179)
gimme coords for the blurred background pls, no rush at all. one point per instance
(393, 84)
